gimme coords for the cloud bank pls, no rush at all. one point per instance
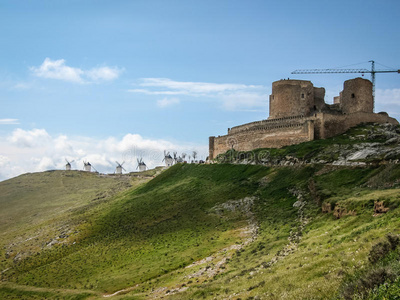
(57, 69)
(36, 150)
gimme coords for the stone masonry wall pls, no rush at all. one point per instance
(291, 98)
(357, 96)
(331, 125)
(270, 123)
(260, 137)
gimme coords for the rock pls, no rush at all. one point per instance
(362, 154)
(393, 140)
(298, 203)
(326, 207)
(379, 208)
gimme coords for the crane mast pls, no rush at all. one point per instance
(363, 71)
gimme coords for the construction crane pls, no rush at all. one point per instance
(363, 71)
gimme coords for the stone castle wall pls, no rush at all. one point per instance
(262, 137)
(331, 125)
(298, 113)
(270, 123)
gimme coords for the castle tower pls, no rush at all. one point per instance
(357, 96)
(292, 98)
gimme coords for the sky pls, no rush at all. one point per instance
(105, 81)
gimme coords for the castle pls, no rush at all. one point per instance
(298, 113)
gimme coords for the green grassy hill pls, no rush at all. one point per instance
(217, 231)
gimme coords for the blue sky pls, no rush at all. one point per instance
(114, 80)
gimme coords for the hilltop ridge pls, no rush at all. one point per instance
(273, 229)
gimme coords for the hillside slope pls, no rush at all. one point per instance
(218, 231)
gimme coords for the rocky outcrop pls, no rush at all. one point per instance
(371, 144)
(379, 208)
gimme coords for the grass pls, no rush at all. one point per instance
(168, 218)
(143, 238)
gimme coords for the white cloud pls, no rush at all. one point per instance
(103, 73)
(230, 96)
(29, 139)
(57, 69)
(148, 92)
(167, 102)
(8, 121)
(194, 87)
(36, 150)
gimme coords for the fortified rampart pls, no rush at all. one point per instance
(298, 113)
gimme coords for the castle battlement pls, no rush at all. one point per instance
(266, 123)
(298, 113)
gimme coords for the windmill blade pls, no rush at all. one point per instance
(118, 163)
(124, 169)
(122, 163)
(66, 160)
(72, 161)
(94, 168)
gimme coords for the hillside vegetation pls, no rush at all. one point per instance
(222, 231)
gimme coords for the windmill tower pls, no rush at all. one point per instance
(88, 167)
(175, 157)
(169, 161)
(119, 168)
(68, 165)
(141, 165)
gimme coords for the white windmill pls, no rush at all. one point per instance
(68, 165)
(141, 165)
(88, 167)
(119, 168)
(169, 161)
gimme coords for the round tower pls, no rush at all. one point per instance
(357, 96)
(291, 98)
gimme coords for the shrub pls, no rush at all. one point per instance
(394, 240)
(367, 282)
(379, 251)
